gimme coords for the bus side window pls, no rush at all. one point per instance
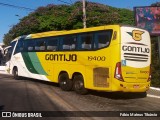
(69, 42)
(19, 47)
(40, 44)
(52, 44)
(86, 40)
(9, 51)
(29, 45)
(102, 39)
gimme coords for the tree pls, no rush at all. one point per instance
(67, 17)
(156, 4)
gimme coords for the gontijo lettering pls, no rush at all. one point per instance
(135, 49)
(61, 57)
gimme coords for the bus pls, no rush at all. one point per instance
(105, 58)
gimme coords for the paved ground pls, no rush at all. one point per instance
(33, 95)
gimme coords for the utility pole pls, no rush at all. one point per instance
(84, 13)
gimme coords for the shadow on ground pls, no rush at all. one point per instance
(119, 95)
(1, 107)
(110, 95)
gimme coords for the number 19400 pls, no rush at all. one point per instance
(96, 58)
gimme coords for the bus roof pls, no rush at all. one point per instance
(17, 38)
(65, 32)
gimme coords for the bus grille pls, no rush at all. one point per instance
(136, 57)
(100, 76)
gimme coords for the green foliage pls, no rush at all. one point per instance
(65, 17)
(126, 17)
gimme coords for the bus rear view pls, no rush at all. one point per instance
(133, 71)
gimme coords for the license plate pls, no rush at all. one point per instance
(136, 86)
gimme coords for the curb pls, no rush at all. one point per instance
(153, 88)
(153, 96)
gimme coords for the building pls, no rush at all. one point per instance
(1, 53)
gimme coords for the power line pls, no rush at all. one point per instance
(14, 6)
(30, 9)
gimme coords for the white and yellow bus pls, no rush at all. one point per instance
(104, 58)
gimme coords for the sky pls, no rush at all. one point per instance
(10, 15)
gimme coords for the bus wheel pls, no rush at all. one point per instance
(79, 85)
(64, 82)
(15, 74)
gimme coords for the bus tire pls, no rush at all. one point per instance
(15, 74)
(79, 85)
(64, 82)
